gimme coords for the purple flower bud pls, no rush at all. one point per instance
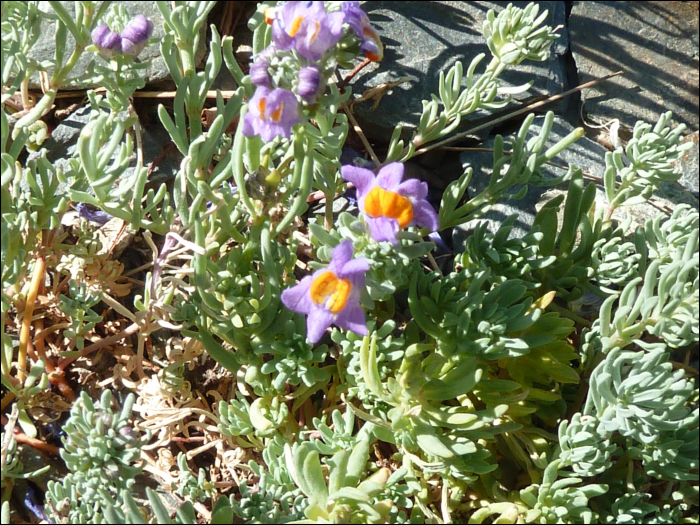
(135, 35)
(309, 82)
(358, 20)
(259, 74)
(97, 216)
(107, 41)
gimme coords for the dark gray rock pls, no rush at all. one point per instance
(61, 143)
(654, 43)
(45, 47)
(424, 38)
(585, 154)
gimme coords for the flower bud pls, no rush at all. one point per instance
(107, 41)
(309, 82)
(135, 35)
(259, 75)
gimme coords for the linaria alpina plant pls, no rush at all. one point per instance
(264, 363)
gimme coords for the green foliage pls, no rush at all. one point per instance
(293, 360)
(557, 500)
(521, 166)
(639, 395)
(79, 308)
(100, 450)
(12, 466)
(651, 154)
(389, 350)
(583, 448)
(514, 35)
(194, 488)
(487, 392)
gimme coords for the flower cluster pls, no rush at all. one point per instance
(130, 41)
(306, 31)
(332, 295)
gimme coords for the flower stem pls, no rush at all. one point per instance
(361, 134)
(37, 280)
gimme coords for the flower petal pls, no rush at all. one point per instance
(424, 214)
(250, 122)
(383, 229)
(352, 268)
(341, 255)
(298, 298)
(362, 178)
(316, 324)
(413, 188)
(334, 23)
(259, 75)
(390, 176)
(352, 318)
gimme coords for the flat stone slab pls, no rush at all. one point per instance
(655, 44)
(424, 38)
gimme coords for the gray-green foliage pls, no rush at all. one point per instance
(79, 308)
(584, 449)
(12, 467)
(194, 488)
(389, 350)
(446, 411)
(510, 172)
(650, 157)
(102, 450)
(556, 500)
(293, 360)
(278, 499)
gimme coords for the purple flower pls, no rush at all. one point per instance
(310, 82)
(389, 204)
(331, 295)
(259, 75)
(306, 27)
(271, 114)
(358, 21)
(135, 35)
(107, 41)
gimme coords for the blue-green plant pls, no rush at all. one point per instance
(479, 390)
(102, 451)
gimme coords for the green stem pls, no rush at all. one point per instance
(186, 57)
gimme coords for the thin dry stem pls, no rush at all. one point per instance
(360, 134)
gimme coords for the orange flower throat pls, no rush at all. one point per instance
(383, 203)
(329, 289)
